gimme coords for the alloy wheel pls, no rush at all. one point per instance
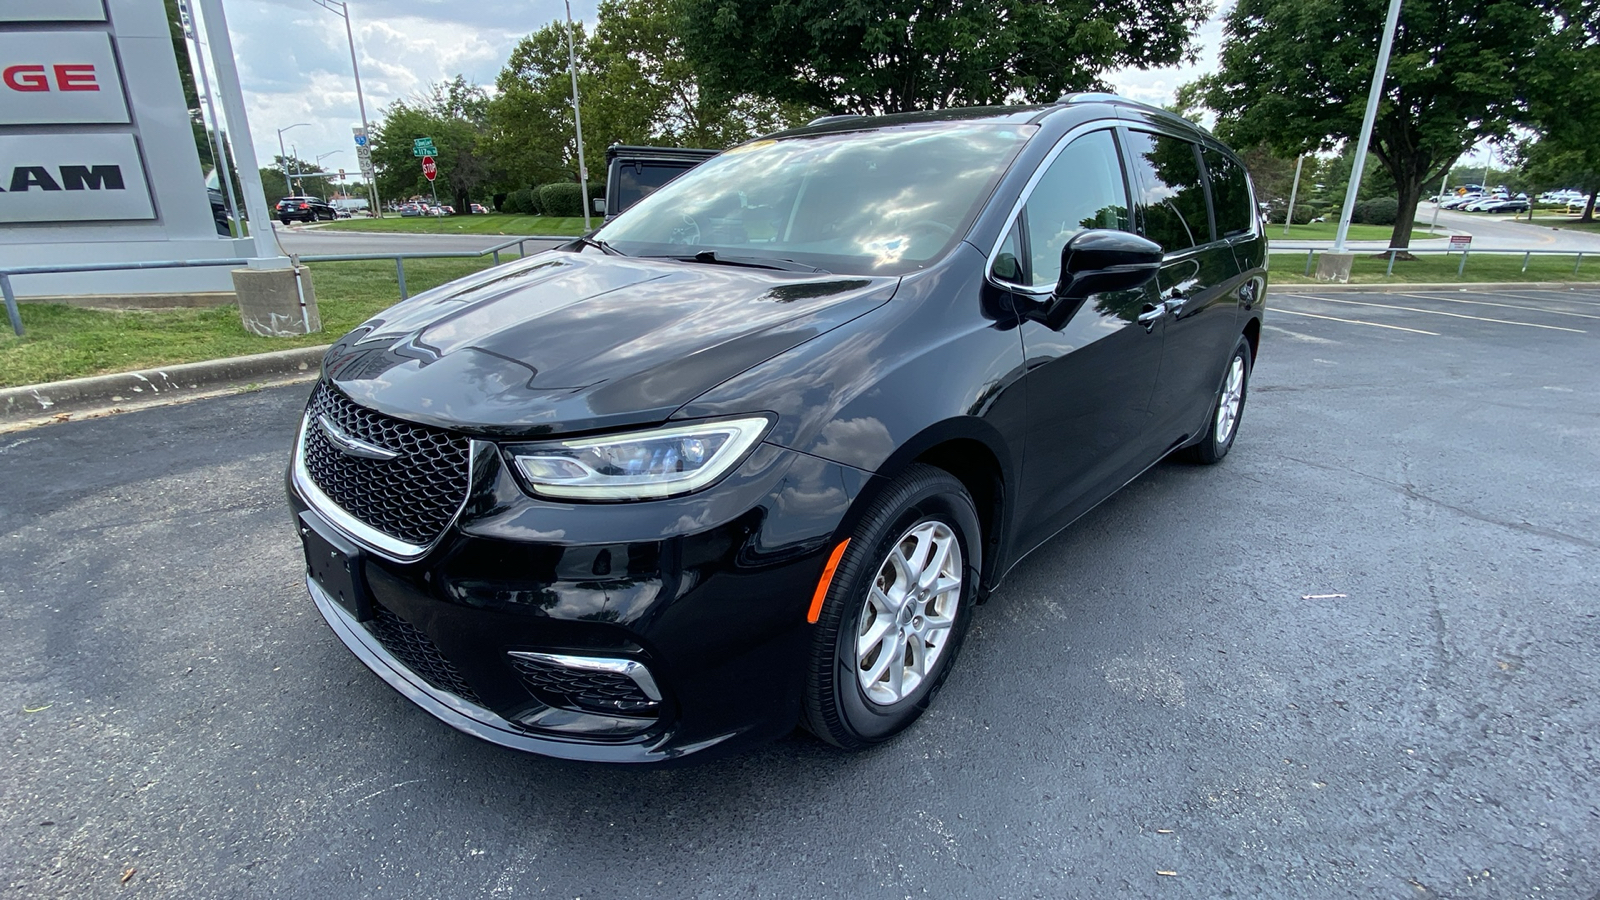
(906, 622)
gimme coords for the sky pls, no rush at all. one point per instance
(294, 61)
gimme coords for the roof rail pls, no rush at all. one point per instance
(1103, 97)
(823, 120)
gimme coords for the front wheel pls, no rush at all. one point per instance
(896, 612)
(1227, 409)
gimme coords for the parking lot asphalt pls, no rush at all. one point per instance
(1356, 659)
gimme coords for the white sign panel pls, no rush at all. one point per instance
(52, 11)
(72, 178)
(59, 78)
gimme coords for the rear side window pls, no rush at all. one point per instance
(1230, 194)
(1171, 197)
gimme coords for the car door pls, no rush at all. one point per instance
(1193, 284)
(1088, 384)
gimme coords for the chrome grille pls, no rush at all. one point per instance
(412, 497)
(573, 689)
(419, 654)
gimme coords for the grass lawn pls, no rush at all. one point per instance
(490, 224)
(68, 342)
(1288, 267)
(1324, 231)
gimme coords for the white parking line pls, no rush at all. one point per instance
(1290, 312)
(1435, 312)
(1569, 296)
(1553, 312)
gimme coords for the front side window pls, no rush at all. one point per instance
(1171, 194)
(880, 202)
(1082, 189)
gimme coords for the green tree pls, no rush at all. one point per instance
(454, 113)
(1565, 105)
(305, 177)
(636, 87)
(882, 56)
(1295, 75)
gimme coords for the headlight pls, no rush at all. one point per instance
(643, 465)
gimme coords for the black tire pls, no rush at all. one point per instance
(838, 708)
(1214, 446)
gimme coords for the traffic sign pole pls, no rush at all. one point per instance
(430, 171)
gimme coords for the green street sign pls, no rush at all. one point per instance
(423, 147)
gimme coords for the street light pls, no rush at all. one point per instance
(1373, 97)
(324, 173)
(342, 10)
(287, 186)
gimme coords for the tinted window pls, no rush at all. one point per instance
(638, 180)
(1171, 198)
(1082, 189)
(1230, 194)
(884, 201)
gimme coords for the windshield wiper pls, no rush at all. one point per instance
(600, 245)
(752, 262)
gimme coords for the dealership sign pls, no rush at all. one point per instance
(59, 78)
(72, 178)
(52, 11)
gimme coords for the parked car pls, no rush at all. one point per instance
(219, 206)
(478, 209)
(412, 209)
(304, 209)
(752, 453)
(1506, 205)
(1458, 201)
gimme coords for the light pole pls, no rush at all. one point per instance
(281, 155)
(1294, 192)
(577, 118)
(1373, 97)
(324, 173)
(342, 10)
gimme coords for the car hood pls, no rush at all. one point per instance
(567, 342)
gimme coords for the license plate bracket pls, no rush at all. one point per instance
(337, 566)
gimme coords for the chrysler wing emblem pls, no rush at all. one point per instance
(352, 446)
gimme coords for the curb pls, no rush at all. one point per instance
(1436, 286)
(171, 384)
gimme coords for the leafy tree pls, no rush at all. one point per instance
(1565, 105)
(1295, 76)
(635, 86)
(305, 176)
(880, 56)
(454, 113)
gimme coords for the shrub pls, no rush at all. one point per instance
(566, 198)
(1380, 211)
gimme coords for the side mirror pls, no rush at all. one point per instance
(598, 203)
(1098, 261)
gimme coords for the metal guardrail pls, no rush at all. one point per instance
(14, 314)
(1394, 252)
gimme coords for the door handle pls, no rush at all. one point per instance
(1151, 316)
(1174, 305)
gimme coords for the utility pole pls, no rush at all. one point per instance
(1439, 199)
(1294, 191)
(577, 118)
(1373, 97)
(283, 155)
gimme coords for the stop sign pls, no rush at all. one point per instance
(429, 167)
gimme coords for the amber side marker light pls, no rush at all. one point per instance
(815, 612)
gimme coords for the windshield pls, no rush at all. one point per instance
(881, 202)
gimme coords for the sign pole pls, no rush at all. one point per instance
(577, 118)
(1360, 160)
(255, 199)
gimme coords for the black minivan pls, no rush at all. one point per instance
(749, 455)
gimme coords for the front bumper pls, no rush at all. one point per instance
(706, 593)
